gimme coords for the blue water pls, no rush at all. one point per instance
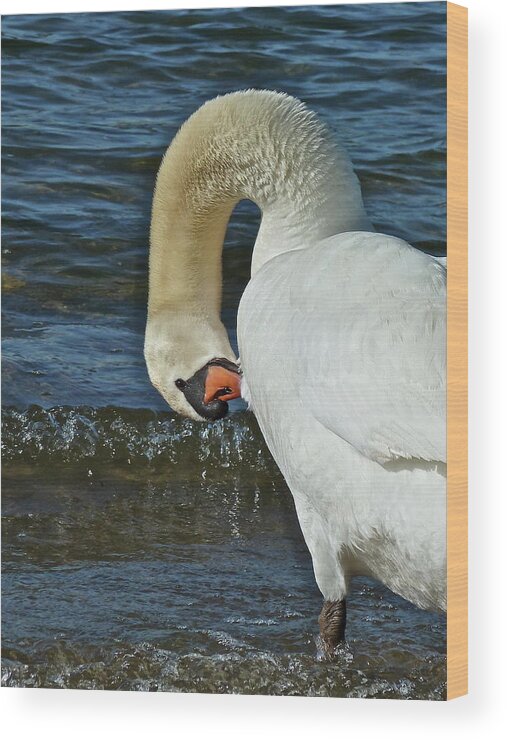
(116, 514)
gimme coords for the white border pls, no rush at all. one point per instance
(83, 714)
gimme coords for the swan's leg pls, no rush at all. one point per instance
(329, 574)
(332, 621)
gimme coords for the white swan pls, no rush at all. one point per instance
(341, 334)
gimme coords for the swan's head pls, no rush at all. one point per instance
(192, 365)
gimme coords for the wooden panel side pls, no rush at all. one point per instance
(457, 350)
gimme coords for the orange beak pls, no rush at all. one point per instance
(221, 383)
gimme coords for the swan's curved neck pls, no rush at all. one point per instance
(256, 145)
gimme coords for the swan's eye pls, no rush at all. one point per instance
(180, 383)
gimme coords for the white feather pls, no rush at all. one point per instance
(341, 333)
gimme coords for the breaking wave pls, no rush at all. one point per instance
(71, 434)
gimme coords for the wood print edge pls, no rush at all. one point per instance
(457, 351)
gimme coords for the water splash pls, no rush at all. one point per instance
(69, 434)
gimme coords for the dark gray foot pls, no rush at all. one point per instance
(332, 621)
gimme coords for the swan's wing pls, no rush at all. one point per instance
(366, 344)
(442, 260)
